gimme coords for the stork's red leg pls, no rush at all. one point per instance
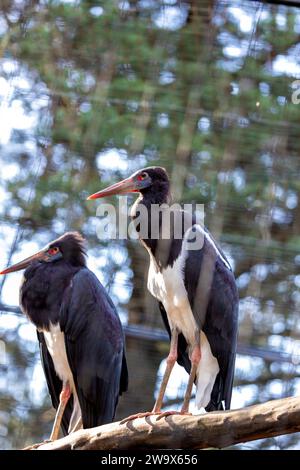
(63, 400)
(78, 425)
(195, 359)
(171, 359)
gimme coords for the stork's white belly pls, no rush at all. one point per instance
(55, 342)
(168, 286)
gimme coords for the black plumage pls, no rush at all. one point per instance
(95, 349)
(59, 290)
(210, 287)
(215, 309)
(208, 281)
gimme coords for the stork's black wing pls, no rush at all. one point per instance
(213, 296)
(95, 348)
(54, 383)
(221, 327)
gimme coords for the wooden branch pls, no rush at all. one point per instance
(217, 429)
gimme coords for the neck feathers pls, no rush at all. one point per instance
(141, 215)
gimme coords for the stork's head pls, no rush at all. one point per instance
(69, 247)
(153, 180)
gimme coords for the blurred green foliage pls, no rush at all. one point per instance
(192, 86)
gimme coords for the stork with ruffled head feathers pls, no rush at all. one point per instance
(79, 332)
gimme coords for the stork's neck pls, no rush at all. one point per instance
(147, 199)
(43, 289)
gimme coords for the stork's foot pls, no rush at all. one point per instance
(39, 444)
(139, 415)
(171, 413)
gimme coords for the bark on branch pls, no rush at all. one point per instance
(217, 429)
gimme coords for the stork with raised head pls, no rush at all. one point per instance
(79, 332)
(196, 291)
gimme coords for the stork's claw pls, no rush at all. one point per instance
(139, 415)
(39, 444)
(171, 413)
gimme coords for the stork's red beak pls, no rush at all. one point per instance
(129, 185)
(40, 256)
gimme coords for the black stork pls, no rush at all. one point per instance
(79, 332)
(196, 291)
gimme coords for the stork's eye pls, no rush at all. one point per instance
(143, 176)
(53, 251)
